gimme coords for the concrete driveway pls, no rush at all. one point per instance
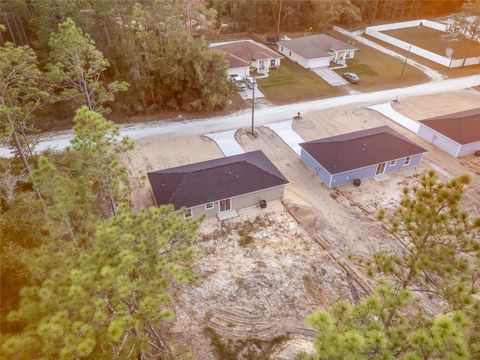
(330, 76)
(285, 131)
(387, 110)
(226, 142)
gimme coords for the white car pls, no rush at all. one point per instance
(238, 82)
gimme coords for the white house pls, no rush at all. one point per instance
(316, 51)
(243, 55)
(457, 134)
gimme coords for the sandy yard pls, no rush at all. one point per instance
(373, 194)
(161, 152)
(262, 289)
(262, 275)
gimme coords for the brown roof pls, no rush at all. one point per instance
(359, 149)
(315, 46)
(235, 61)
(462, 127)
(248, 50)
(213, 180)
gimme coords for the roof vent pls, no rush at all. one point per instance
(364, 147)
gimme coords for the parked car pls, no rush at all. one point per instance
(249, 81)
(238, 82)
(351, 78)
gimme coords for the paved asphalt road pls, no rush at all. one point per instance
(267, 115)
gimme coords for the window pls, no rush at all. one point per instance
(393, 162)
(208, 206)
(407, 161)
(281, 48)
(289, 53)
(188, 213)
(272, 62)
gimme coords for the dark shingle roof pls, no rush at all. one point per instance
(360, 149)
(315, 46)
(247, 50)
(462, 127)
(235, 61)
(213, 180)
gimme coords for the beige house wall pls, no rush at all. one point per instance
(242, 201)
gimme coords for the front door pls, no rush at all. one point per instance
(225, 205)
(381, 168)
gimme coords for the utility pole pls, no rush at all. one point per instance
(253, 103)
(406, 59)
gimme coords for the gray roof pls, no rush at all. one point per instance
(315, 46)
(359, 149)
(213, 180)
(462, 127)
(247, 50)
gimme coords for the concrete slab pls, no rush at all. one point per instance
(248, 94)
(285, 131)
(387, 110)
(226, 142)
(330, 76)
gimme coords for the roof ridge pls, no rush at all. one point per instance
(266, 170)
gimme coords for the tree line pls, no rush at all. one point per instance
(149, 45)
(158, 47)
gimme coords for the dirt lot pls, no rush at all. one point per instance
(258, 290)
(436, 41)
(164, 151)
(265, 270)
(449, 72)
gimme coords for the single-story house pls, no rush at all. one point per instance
(316, 51)
(219, 187)
(457, 134)
(245, 54)
(341, 159)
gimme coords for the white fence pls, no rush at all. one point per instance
(376, 32)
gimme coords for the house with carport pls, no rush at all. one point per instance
(219, 187)
(348, 158)
(243, 55)
(457, 134)
(317, 51)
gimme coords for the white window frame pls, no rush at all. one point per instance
(273, 62)
(209, 206)
(392, 163)
(188, 213)
(407, 161)
(230, 205)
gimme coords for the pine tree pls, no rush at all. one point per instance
(76, 66)
(438, 254)
(109, 301)
(93, 158)
(20, 96)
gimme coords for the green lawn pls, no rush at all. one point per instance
(436, 41)
(291, 82)
(377, 70)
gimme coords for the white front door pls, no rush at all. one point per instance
(225, 205)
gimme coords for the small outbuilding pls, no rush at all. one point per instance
(315, 51)
(219, 187)
(457, 134)
(342, 159)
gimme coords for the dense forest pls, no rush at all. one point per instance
(83, 276)
(159, 48)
